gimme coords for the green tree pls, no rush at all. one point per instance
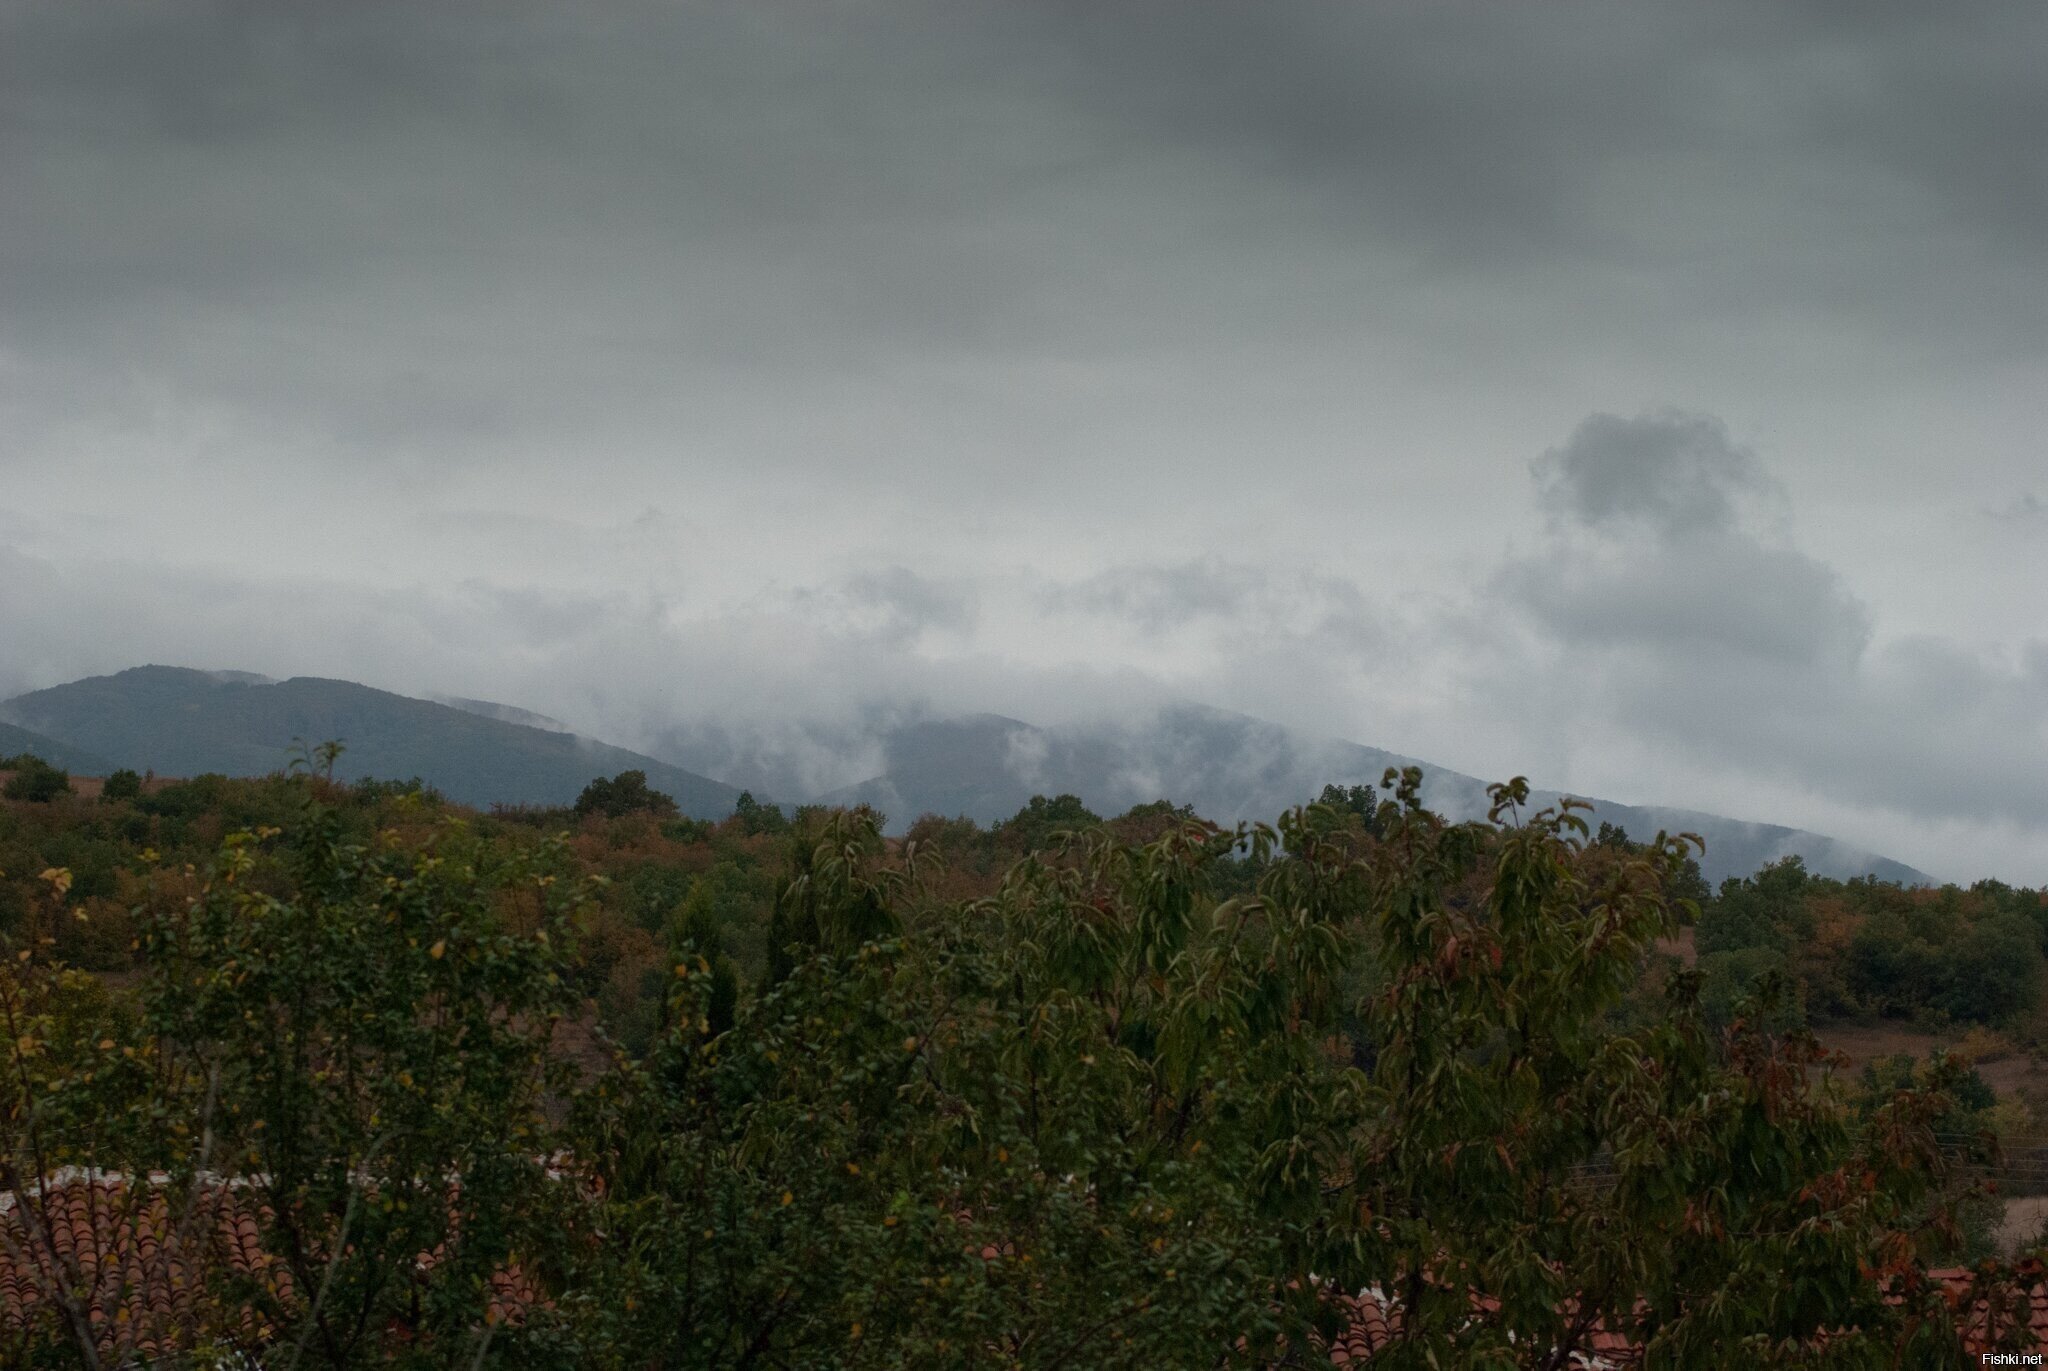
(1148, 1103)
(68, 1050)
(122, 784)
(755, 817)
(1097, 1121)
(1361, 801)
(372, 1024)
(1764, 910)
(35, 780)
(1990, 971)
(625, 793)
(1034, 827)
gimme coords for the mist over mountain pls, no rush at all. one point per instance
(510, 714)
(1228, 766)
(180, 722)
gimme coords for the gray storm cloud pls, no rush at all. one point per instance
(1671, 615)
(1671, 473)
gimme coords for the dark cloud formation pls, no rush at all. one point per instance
(1673, 617)
(1657, 553)
(1669, 473)
(766, 372)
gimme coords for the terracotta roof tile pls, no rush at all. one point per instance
(1372, 1320)
(138, 1267)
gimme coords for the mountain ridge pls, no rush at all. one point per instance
(179, 721)
(15, 740)
(1232, 767)
(986, 766)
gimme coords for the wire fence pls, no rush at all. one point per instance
(2016, 1165)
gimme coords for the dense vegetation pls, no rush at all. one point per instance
(1869, 948)
(778, 1092)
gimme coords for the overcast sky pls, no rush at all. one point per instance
(1646, 398)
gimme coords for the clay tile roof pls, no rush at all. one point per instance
(1990, 1316)
(1985, 1319)
(1371, 1322)
(133, 1258)
(139, 1264)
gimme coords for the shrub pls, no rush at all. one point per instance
(121, 785)
(36, 780)
(625, 793)
(755, 817)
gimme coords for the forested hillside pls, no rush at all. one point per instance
(179, 722)
(652, 1091)
(14, 741)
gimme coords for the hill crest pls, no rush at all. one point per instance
(180, 721)
(1233, 767)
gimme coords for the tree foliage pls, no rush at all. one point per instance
(1360, 801)
(625, 793)
(34, 779)
(121, 784)
(755, 817)
(1154, 1096)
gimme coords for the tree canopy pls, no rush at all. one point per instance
(625, 793)
(1179, 1099)
(33, 779)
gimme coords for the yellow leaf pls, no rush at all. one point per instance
(437, 949)
(787, 1199)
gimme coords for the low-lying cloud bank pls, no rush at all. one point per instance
(1663, 639)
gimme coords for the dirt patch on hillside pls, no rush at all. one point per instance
(1866, 1043)
(2012, 1073)
(1681, 946)
(89, 787)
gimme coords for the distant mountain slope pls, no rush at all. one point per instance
(182, 723)
(1232, 767)
(15, 741)
(510, 714)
